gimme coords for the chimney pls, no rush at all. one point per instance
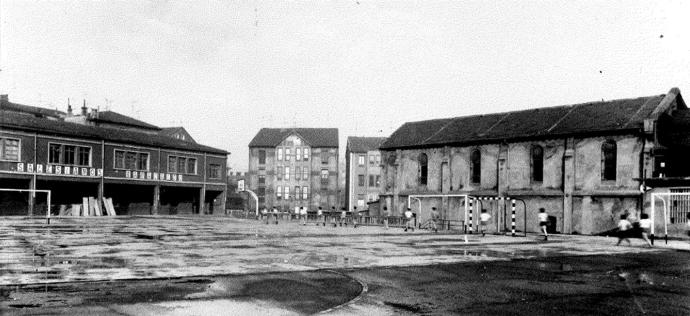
(84, 109)
(69, 108)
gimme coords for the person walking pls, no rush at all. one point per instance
(484, 218)
(543, 222)
(332, 216)
(343, 216)
(275, 215)
(434, 217)
(386, 214)
(264, 215)
(646, 227)
(408, 219)
(354, 216)
(319, 217)
(624, 227)
(303, 215)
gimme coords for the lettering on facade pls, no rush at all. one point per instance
(25, 167)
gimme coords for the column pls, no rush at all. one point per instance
(568, 184)
(202, 199)
(156, 199)
(32, 195)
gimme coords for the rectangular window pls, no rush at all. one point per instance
(378, 160)
(360, 180)
(262, 180)
(306, 154)
(287, 154)
(119, 159)
(181, 164)
(54, 153)
(261, 192)
(305, 173)
(305, 193)
(214, 171)
(378, 181)
(360, 200)
(279, 172)
(372, 181)
(9, 149)
(324, 176)
(372, 159)
(279, 192)
(287, 192)
(262, 157)
(280, 153)
(324, 157)
(84, 157)
(191, 166)
(69, 154)
(360, 160)
(298, 154)
(143, 162)
(287, 173)
(172, 164)
(298, 173)
(130, 160)
(298, 194)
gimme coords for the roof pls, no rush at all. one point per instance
(57, 127)
(315, 137)
(364, 144)
(674, 129)
(558, 121)
(117, 118)
(171, 131)
(11, 106)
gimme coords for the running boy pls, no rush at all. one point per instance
(543, 222)
(624, 227)
(303, 215)
(484, 218)
(319, 217)
(646, 226)
(408, 219)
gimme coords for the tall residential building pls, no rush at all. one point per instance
(363, 171)
(294, 167)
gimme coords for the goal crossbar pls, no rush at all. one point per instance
(33, 191)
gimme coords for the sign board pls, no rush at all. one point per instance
(240, 185)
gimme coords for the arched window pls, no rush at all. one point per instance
(537, 163)
(476, 166)
(608, 160)
(423, 168)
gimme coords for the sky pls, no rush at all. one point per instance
(225, 69)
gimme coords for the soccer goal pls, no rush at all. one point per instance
(417, 198)
(675, 206)
(25, 195)
(479, 202)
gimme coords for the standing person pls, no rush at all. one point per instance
(275, 215)
(543, 222)
(434, 217)
(484, 218)
(408, 219)
(354, 216)
(319, 217)
(646, 226)
(624, 227)
(264, 215)
(332, 216)
(386, 214)
(343, 216)
(303, 215)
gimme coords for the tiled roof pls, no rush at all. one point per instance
(117, 118)
(171, 131)
(364, 144)
(315, 137)
(11, 106)
(18, 121)
(594, 117)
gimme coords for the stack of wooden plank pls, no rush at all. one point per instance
(90, 206)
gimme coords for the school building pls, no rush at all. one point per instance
(585, 164)
(143, 168)
(363, 171)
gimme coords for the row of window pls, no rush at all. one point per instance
(69, 155)
(299, 192)
(300, 154)
(305, 175)
(374, 160)
(608, 164)
(374, 180)
(284, 173)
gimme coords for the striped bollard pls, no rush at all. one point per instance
(471, 206)
(512, 218)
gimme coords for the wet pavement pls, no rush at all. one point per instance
(189, 265)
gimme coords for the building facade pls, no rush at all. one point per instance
(84, 155)
(584, 163)
(363, 171)
(294, 167)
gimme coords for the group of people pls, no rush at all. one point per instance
(543, 217)
(625, 228)
(301, 213)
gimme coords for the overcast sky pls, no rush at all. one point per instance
(224, 69)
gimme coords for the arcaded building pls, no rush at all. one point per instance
(585, 164)
(294, 167)
(104, 154)
(363, 171)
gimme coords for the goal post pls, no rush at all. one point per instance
(418, 197)
(665, 209)
(32, 195)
